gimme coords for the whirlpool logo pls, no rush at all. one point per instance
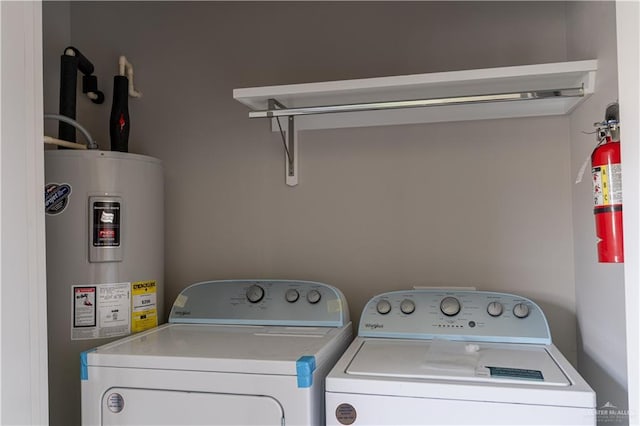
(373, 326)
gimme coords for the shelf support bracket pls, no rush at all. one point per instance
(291, 144)
(276, 109)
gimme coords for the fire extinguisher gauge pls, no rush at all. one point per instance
(610, 127)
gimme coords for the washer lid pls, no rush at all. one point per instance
(461, 362)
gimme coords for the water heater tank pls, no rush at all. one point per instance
(105, 259)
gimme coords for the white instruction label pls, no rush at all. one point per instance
(607, 184)
(101, 310)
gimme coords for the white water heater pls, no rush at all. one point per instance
(105, 259)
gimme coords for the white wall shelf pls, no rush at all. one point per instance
(491, 93)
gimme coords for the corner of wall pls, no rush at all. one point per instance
(599, 287)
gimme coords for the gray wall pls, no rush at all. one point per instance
(599, 287)
(56, 30)
(471, 203)
(377, 209)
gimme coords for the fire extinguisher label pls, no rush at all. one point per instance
(101, 310)
(144, 313)
(607, 184)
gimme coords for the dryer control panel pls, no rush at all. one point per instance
(480, 316)
(261, 302)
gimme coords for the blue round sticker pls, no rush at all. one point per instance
(56, 197)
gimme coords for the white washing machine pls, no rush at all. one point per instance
(434, 357)
(233, 353)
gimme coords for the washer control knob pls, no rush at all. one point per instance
(383, 307)
(495, 309)
(407, 306)
(450, 306)
(292, 295)
(255, 293)
(313, 297)
(521, 310)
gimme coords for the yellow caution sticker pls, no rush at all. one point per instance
(144, 312)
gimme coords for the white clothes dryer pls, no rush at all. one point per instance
(435, 357)
(233, 353)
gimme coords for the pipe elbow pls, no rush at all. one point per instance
(126, 70)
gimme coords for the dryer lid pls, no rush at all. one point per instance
(220, 348)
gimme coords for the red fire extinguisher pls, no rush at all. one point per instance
(606, 170)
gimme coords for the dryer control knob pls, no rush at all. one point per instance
(255, 293)
(407, 306)
(292, 295)
(495, 309)
(521, 310)
(383, 307)
(314, 296)
(450, 306)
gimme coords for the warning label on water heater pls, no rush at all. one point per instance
(84, 312)
(101, 310)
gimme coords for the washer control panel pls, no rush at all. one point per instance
(261, 302)
(455, 315)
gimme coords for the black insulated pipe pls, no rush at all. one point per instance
(70, 62)
(84, 65)
(67, 107)
(119, 120)
(90, 85)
